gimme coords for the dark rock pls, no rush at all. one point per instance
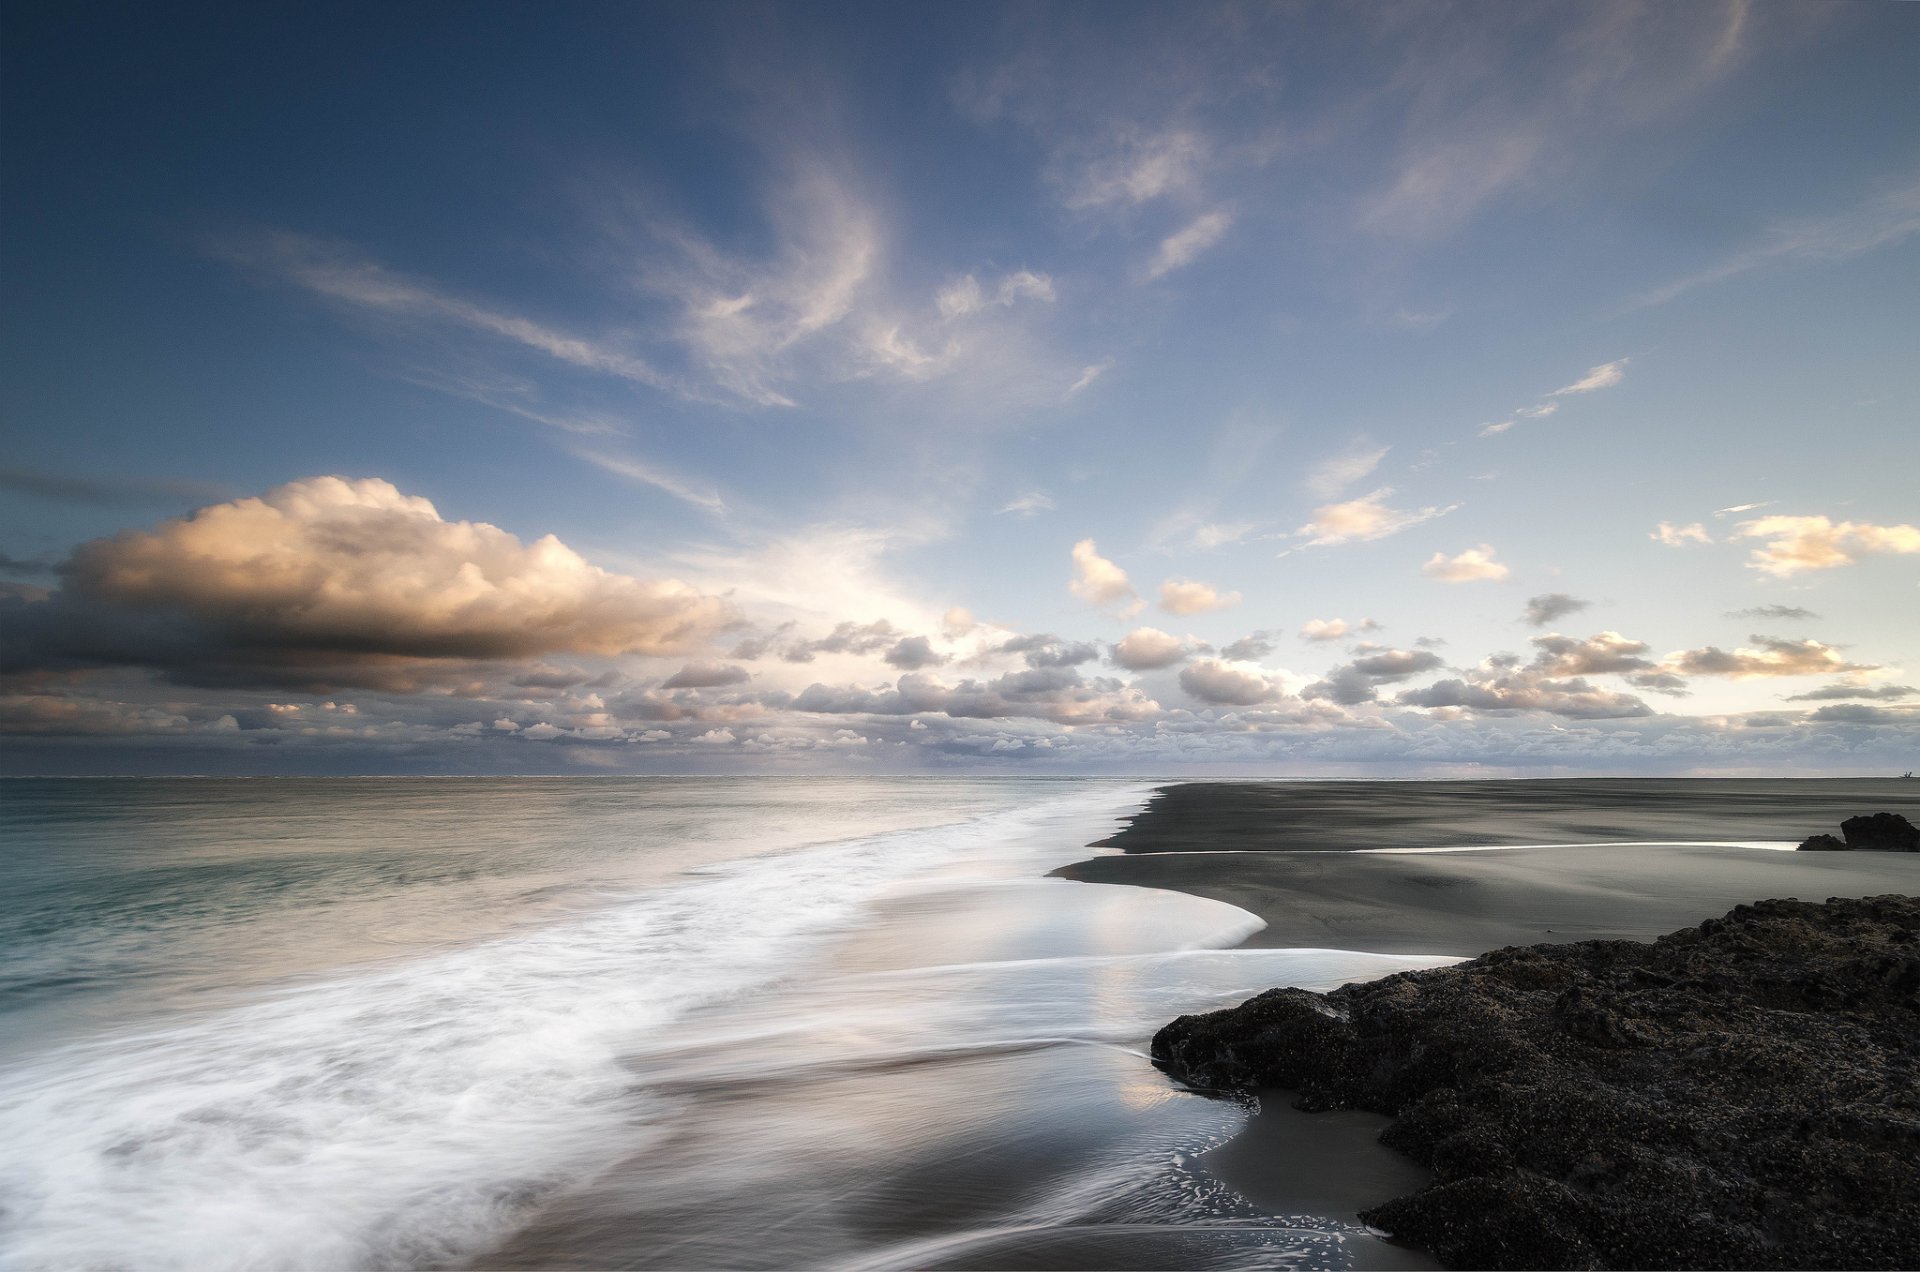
(1824, 843)
(1887, 832)
(1741, 1094)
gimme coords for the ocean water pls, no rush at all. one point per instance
(611, 1022)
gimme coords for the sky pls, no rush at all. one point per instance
(1326, 389)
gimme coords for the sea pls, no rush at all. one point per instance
(595, 1022)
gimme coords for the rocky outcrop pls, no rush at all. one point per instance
(1887, 832)
(1741, 1094)
(1873, 832)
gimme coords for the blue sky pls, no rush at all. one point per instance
(1357, 389)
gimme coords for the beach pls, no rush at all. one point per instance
(766, 1023)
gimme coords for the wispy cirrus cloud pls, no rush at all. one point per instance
(1363, 520)
(1881, 220)
(1187, 244)
(1604, 376)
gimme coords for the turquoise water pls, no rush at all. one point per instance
(599, 1021)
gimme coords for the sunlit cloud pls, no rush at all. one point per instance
(1097, 580)
(1768, 656)
(1357, 462)
(1604, 376)
(1677, 536)
(1798, 544)
(1475, 565)
(1362, 520)
(1148, 649)
(1184, 596)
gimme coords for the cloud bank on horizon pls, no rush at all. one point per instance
(1125, 389)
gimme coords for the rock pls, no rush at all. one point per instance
(1887, 832)
(1741, 1094)
(1824, 843)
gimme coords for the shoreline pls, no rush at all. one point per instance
(1266, 848)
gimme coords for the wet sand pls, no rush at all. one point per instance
(1308, 859)
(1306, 856)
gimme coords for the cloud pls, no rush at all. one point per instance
(1541, 411)
(847, 637)
(1051, 651)
(1327, 629)
(1829, 693)
(1353, 464)
(1881, 220)
(1148, 649)
(1604, 376)
(1031, 504)
(1782, 613)
(107, 492)
(706, 675)
(1472, 566)
(1357, 682)
(333, 577)
(1097, 580)
(1511, 692)
(1858, 713)
(1219, 534)
(1745, 507)
(1679, 536)
(1771, 657)
(1138, 167)
(1494, 430)
(336, 274)
(1818, 543)
(1551, 606)
(1185, 246)
(914, 653)
(1250, 648)
(647, 474)
(1607, 653)
(1088, 375)
(1363, 520)
(964, 296)
(1213, 681)
(1182, 596)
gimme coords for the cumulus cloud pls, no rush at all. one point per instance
(1355, 463)
(1475, 565)
(1362, 520)
(1858, 713)
(1148, 649)
(1321, 630)
(1819, 543)
(1058, 694)
(699, 675)
(329, 572)
(1497, 693)
(846, 638)
(1551, 606)
(1097, 580)
(1601, 654)
(1679, 536)
(1185, 246)
(1043, 650)
(1183, 596)
(1358, 681)
(1215, 682)
(1769, 656)
(1841, 692)
(1604, 376)
(913, 653)
(1250, 648)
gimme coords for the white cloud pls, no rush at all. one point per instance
(1361, 520)
(1541, 411)
(1494, 430)
(1797, 544)
(1148, 649)
(1138, 167)
(1475, 565)
(657, 478)
(1030, 504)
(1185, 246)
(1321, 630)
(1679, 536)
(1604, 376)
(1088, 375)
(1097, 580)
(1356, 462)
(1219, 534)
(1183, 596)
(964, 296)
